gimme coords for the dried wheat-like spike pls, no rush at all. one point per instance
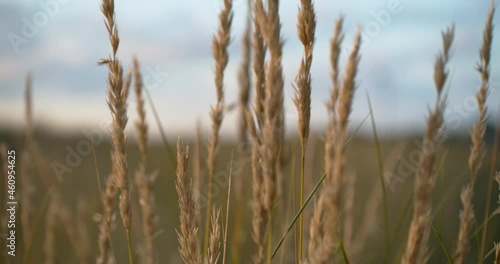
(215, 238)
(106, 222)
(478, 131)
(198, 172)
(466, 223)
(245, 82)
(188, 235)
(117, 101)
(478, 150)
(426, 172)
(324, 225)
(319, 246)
(259, 216)
(259, 56)
(273, 132)
(144, 181)
(306, 31)
(220, 44)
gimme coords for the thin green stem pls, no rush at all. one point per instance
(290, 226)
(443, 246)
(129, 244)
(342, 250)
(169, 150)
(382, 183)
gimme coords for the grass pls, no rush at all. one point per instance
(262, 223)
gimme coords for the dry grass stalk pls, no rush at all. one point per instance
(466, 224)
(416, 248)
(259, 216)
(319, 247)
(117, 101)
(188, 235)
(324, 225)
(106, 223)
(215, 238)
(478, 150)
(197, 172)
(244, 82)
(271, 152)
(259, 57)
(306, 28)
(349, 207)
(144, 181)
(50, 230)
(220, 44)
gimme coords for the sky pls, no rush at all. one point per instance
(60, 42)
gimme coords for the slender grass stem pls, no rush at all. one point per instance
(490, 191)
(129, 246)
(382, 182)
(443, 246)
(302, 176)
(169, 150)
(290, 226)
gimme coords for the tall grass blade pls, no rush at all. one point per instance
(380, 164)
(443, 246)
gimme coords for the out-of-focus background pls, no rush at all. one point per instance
(61, 41)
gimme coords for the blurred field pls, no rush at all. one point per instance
(81, 184)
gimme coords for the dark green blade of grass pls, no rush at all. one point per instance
(381, 178)
(167, 146)
(306, 202)
(443, 246)
(342, 250)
